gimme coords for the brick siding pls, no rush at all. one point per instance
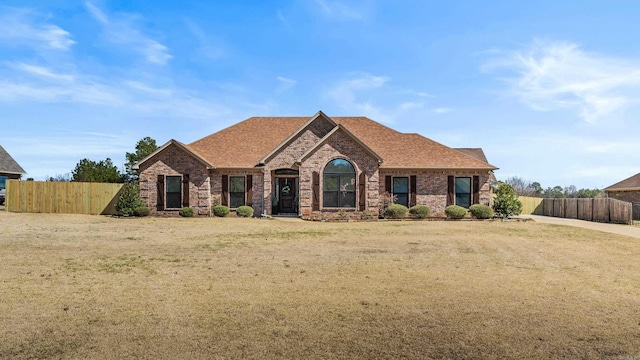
(174, 161)
(628, 196)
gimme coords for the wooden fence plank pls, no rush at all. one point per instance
(62, 197)
(601, 210)
(571, 208)
(585, 209)
(620, 212)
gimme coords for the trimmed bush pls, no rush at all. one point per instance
(481, 211)
(186, 212)
(506, 203)
(142, 211)
(420, 211)
(129, 199)
(244, 211)
(455, 211)
(396, 211)
(220, 211)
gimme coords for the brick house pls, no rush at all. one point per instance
(625, 190)
(311, 167)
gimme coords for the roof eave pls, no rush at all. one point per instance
(623, 189)
(436, 168)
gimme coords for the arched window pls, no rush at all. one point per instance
(339, 184)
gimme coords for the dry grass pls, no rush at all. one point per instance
(96, 287)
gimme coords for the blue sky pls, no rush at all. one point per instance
(549, 89)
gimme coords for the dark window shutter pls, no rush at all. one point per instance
(476, 190)
(160, 187)
(225, 190)
(249, 190)
(413, 185)
(315, 204)
(387, 184)
(451, 190)
(185, 190)
(363, 191)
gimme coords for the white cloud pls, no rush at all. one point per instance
(549, 76)
(19, 27)
(369, 95)
(338, 10)
(285, 83)
(41, 72)
(122, 31)
(442, 110)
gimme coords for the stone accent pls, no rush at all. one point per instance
(628, 196)
(173, 161)
(432, 187)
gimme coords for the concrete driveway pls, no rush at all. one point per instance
(628, 230)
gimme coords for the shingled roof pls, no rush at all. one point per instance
(632, 183)
(8, 165)
(244, 144)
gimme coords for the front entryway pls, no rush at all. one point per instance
(288, 199)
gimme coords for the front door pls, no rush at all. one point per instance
(288, 190)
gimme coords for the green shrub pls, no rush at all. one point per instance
(129, 199)
(420, 211)
(481, 211)
(220, 211)
(455, 211)
(366, 215)
(186, 212)
(245, 211)
(506, 203)
(142, 211)
(396, 211)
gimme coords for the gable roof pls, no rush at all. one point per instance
(249, 143)
(178, 144)
(346, 132)
(8, 165)
(304, 126)
(632, 183)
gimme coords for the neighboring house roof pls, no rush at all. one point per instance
(478, 153)
(249, 142)
(8, 165)
(632, 183)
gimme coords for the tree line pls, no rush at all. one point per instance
(87, 170)
(523, 187)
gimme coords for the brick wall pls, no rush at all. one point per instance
(339, 146)
(174, 161)
(286, 158)
(256, 200)
(432, 187)
(629, 196)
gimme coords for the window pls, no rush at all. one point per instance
(339, 184)
(463, 191)
(401, 190)
(236, 191)
(174, 192)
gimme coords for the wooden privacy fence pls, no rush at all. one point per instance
(531, 205)
(598, 209)
(62, 197)
(636, 211)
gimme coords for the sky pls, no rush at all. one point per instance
(549, 89)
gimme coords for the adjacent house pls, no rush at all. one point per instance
(625, 190)
(311, 166)
(9, 168)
